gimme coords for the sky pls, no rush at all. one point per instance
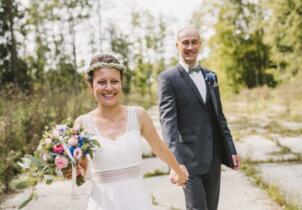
(118, 12)
(178, 10)
(181, 9)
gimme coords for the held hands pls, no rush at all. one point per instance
(181, 178)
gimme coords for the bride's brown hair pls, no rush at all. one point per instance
(103, 58)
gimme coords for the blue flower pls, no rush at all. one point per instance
(81, 141)
(210, 78)
(71, 149)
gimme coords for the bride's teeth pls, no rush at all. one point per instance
(109, 95)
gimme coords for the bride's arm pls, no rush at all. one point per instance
(159, 148)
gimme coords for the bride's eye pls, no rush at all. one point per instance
(115, 82)
(101, 82)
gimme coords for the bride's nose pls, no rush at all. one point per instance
(108, 86)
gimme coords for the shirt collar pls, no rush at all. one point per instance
(186, 66)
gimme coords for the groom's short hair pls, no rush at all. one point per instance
(185, 28)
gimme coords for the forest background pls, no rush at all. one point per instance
(255, 47)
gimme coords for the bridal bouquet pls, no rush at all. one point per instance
(60, 151)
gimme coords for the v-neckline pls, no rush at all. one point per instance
(97, 130)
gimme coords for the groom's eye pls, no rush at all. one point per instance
(185, 43)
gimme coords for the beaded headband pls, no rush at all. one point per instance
(100, 65)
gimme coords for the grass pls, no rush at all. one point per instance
(154, 202)
(156, 172)
(152, 155)
(281, 103)
(249, 169)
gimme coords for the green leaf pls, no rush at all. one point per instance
(49, 181)
(23, 184)
(90, 153)
(27, 201)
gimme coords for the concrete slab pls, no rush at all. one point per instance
(291, 125)
(287, 177)
(55, 196)
(293, 143)
(152, 164)
(166, 195)
(238, 193)
(258, 148)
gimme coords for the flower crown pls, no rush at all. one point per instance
(100, 65)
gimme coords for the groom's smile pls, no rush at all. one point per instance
(188, 45)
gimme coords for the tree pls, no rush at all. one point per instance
(238, 44)
(12, 68)
(284, 35)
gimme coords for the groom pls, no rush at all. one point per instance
(193, 124)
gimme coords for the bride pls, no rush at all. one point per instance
(116, 166)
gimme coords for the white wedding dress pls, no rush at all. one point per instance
(116, 169)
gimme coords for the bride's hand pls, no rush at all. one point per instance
(81, 169)
(181, 178)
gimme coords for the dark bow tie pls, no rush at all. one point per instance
(195, 69)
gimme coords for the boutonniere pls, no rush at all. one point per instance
(210, 78)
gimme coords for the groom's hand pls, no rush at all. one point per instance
(236, 162)
(173, 176)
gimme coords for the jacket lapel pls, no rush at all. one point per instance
(190, 82)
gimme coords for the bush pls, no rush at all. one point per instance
(23, 117)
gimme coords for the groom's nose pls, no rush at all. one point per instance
(190, 46)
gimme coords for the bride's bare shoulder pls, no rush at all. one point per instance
(79, 120)
(140, 111)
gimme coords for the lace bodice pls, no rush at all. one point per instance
(121, 153)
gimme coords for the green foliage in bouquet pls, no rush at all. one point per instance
(59, 152)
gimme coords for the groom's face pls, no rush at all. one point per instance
(188, 45)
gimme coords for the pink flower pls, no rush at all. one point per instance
(61, 162)
(77, 153)
(73, 141)
(58, 149)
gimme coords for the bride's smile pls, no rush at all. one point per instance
(107, 86)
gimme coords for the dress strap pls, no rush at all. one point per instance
(133, 123)
(88, 121)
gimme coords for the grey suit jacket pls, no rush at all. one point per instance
(186, 124)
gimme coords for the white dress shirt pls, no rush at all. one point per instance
(198, 79)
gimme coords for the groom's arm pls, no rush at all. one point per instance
(168, 114)
(224, 124)
(227, 133)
